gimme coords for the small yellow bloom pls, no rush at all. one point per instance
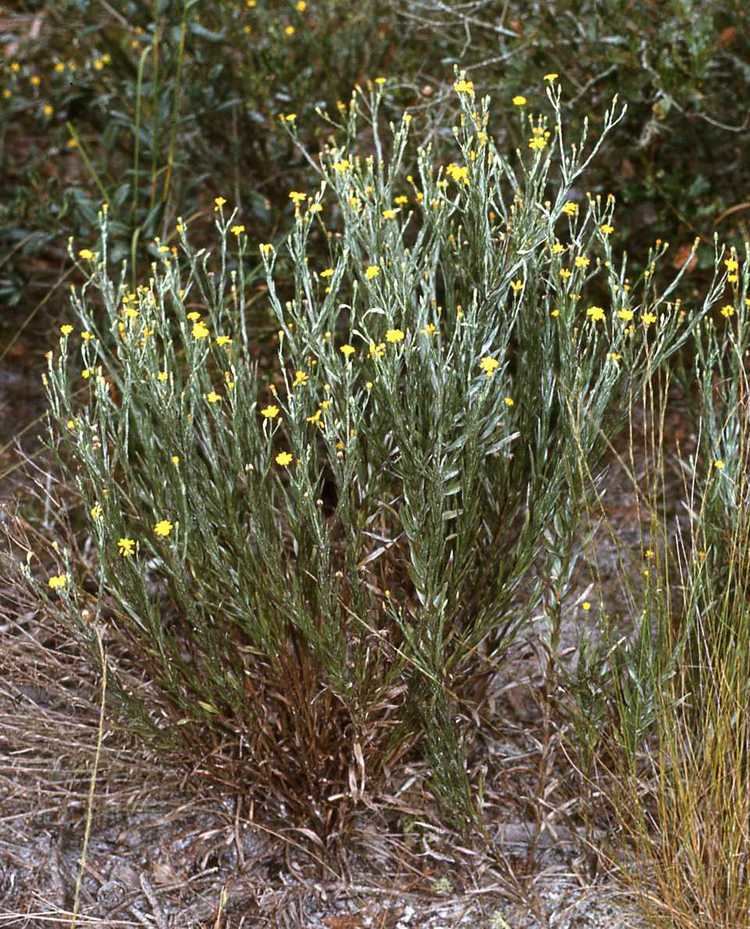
(582, 262)
(300, 6)
(557, 249)
(162, 376)
(342, 165)
(163, 528)
(552, 76)
(554, 313)
(371, 272)
(508, 401)
(727, 311)
(289, 30)
(538, 143)
(270, 412)
(606, 229)
(326, 273)
(87, 336)
(297, 197)
(613, 356)
(86, 373)
(200, 331)
(380, 81)
(126, 547)
(284, 459)
(86, 254)
(48, 110)
(265, 248)
(648, 318)
(719, 464)
(516, 286)
(213, 397)
(390, 214)
(347, 350)
(66, 329)
(625, 315)
(289, 118)
(394, 335)
(175, 459)
(193, 316)
(570, 208)
(300, 378)
(595, 313)
(464, 87)
(58, 581)
(237, 230)
(429, 329)
(377, 350)
(35, 80)
(731, 264)
(489, 365)
(401, 200)
(519, 100)
(458, 173)
(223, 340)
(586, 606)
(565, 273)
(219, 202)
(96, 511)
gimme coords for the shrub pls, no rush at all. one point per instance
(307, 568)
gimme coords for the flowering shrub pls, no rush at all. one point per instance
(305, 568)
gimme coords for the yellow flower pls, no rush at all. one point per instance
(270, 412)
(343, 165)
(265, 248)
(394, 335)
(377, 350)
(162, 376)
(429, 329)
(554, 313)
(315, 418)
(582, 262)
(389, 214)
(565, 273)
(538, 143)
(200, 331)
(464, 87)
(401, 200)
(347, 350)
(86, 254)
(58, 581)
(194, 316)
(648, 318)
(35, 80)
(300, 6)
(326, 272)
(223, 340)
(552, 76)
(289, 30)
(519, 100)
(595, 313)
(213, 397)
(126, 547)
(458, 173)
(380, 81)
(175, 459)
(219, 202)
(731, 264)
(727, 311)
(297, 197)
(300, 378)
(606, 229)
(570, 208)
(489, 365)
(586, 605)
(508, 401)
(613, 356)
(516, 286)
(48, 110)
(371, 272)
(719, 464)
(625, 315)
(289, 118)
(163, 528)
(66, 329)
(86, 373)
(315, 208)
(557, 249)
(96, 511)
(284, 459)
(237, 230)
